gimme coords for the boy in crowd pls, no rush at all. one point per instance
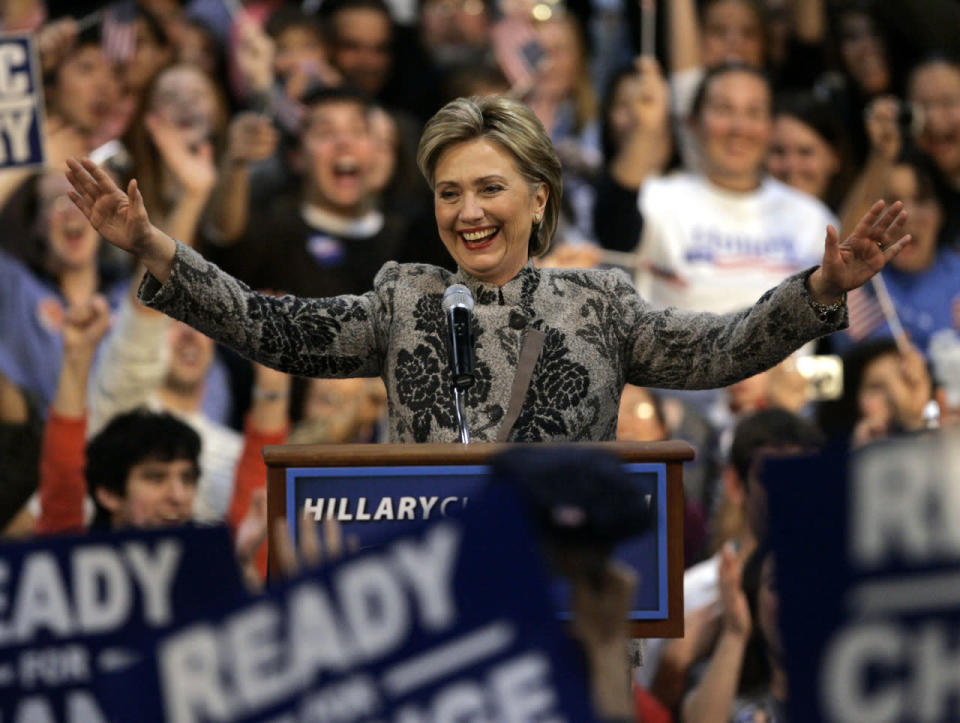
(328, 237)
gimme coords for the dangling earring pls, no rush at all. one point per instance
(537, 217)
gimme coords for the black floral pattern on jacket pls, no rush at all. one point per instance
(598, 335)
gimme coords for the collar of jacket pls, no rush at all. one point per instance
(512, 293)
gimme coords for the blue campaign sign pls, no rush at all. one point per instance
(868, 572)
(75, 609)
(447, 621)
(372, 503)
(21, 103)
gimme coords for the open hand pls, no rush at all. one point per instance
(736, 617)
(850, 263)
(119, 217)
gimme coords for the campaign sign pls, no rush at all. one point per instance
(21, 103)
(74, 609)
(868, 572)
(372, 503)
(447, 621)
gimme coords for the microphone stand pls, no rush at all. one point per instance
(458, 395)
(457, 305)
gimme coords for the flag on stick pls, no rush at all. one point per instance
(118, 33)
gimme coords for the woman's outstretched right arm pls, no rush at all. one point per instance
(334, 337)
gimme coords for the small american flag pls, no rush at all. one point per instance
(119, 32)
(866, 314)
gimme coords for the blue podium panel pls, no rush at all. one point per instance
(373, 504)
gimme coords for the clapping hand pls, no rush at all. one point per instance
(851, 263)
(84, 325)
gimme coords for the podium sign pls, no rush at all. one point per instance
(395, 491)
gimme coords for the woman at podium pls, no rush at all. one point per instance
(553, 348)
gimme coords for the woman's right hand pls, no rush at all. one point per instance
(119, 217)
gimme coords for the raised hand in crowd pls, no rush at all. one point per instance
(712, 699)
(886, 141)
(601, 605)
(84, 325)
(251, 138)
(311, 552)
(849, 264)
(254, 56)
(54, 41)
(249, 536)
(894, 396)
(646, 149)
(192, 165)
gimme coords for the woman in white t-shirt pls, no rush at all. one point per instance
(717, 238)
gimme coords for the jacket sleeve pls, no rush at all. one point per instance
(675, 349)
(340, 336)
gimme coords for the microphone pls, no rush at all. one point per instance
(457, 307)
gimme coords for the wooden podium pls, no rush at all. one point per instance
(288, 463)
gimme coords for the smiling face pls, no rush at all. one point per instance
(935, 88)
(158, 494)
(800, 157)
(557, 76)
(336, 155)
(485, 209)
(72, 243)
(731, 33)
(923, 221)
(191, 354)
(734, 128)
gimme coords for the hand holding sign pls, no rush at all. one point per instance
(121, 218)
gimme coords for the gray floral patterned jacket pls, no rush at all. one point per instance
(599, 335)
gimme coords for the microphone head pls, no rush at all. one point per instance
(457, 296)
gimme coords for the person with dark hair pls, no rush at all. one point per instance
(923, 283)
(329, 237)
(142, 470)
(808, 148)
(360, 41)
(934, 90)
(885, 392)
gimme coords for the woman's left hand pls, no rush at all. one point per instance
(850, 263)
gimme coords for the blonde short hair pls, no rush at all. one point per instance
(514, 127)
